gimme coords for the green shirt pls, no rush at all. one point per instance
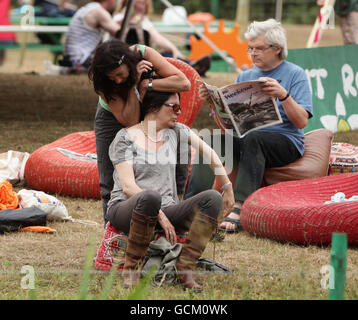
(103, 103)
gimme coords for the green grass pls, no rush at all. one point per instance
(36, 111)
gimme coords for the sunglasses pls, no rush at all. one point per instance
(176, 107)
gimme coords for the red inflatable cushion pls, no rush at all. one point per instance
(49, 170)
(295, 211)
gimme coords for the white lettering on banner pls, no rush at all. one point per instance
(340, 107)
(348, 78)
(317, 74)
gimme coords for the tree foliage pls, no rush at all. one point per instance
(293, 11)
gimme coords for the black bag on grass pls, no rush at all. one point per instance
(13, 220)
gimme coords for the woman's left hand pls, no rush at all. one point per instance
(168, 228)
(143, 66)
(228, 201)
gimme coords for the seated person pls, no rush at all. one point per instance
(273, 146)
(85, 33)
(141, 30)
(144, 196)
(54, 9)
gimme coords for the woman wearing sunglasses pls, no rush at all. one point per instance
(144, 196)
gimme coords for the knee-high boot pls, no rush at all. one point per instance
(140, 234)
(199, 235)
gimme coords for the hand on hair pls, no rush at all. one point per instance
(143, 66)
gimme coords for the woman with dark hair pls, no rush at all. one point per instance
(121, 75)
(144, 196)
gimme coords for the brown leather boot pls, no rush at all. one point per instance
(199, 235)
(140, 234)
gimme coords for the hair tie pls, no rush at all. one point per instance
(120, 61)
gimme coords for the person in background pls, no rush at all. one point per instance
(273, 146)
(141, 30)
(53, 9)
(85, 33)
(347, 10)
(144, 196)
(121, 74)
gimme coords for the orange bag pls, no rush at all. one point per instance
(38, 229)
(8, 197)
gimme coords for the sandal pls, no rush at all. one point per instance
(236, 222)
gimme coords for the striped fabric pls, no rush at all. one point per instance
(81, 39)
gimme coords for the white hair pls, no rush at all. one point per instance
(273, 31)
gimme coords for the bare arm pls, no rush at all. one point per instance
(101, 18)
(127, 180)
(295, 113)
(173, 80)
(210, 157)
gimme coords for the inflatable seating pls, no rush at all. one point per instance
(52, 171)
(49, 170)
(313, 164)
(295, 211)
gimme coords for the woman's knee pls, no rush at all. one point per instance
(211, 203)
(148, 202)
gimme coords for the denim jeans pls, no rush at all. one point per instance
(253, 153)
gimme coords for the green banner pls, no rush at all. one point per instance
(333, 77)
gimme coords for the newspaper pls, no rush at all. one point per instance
(243, 107)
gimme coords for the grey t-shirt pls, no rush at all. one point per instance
(152, 170)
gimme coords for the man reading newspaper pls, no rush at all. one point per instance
(271, 146)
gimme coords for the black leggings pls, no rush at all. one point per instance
(180, 215)
(106, 127)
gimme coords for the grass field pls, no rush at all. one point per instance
(36, 110)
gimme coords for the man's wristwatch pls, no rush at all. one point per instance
(150, 84)
(287, 95)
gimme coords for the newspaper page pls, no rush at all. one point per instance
(243, 107)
